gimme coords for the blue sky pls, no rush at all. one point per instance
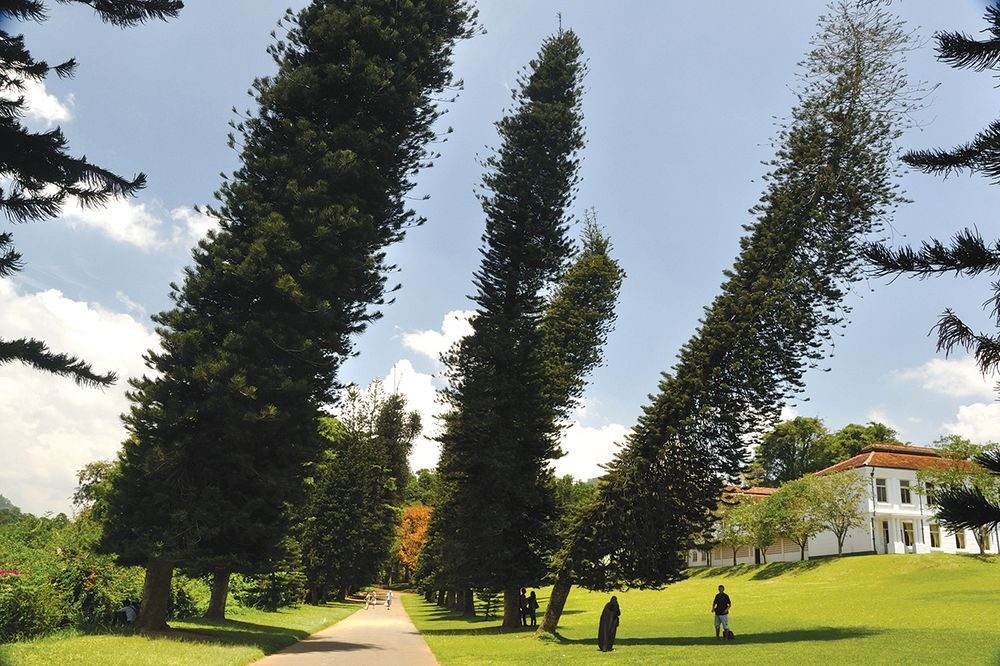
(680, 108)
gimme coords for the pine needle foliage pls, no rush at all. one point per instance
(830, 186)
(38, 176)
(223, 431)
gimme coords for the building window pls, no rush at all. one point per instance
(881, 495)
(960, 540)
(904, 492)
(907, 534)
(935, 535)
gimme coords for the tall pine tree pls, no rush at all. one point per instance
(507, 393)
(830, 185)
(37, 174)
(222, 433)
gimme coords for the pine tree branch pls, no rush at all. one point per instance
(981, 155)
(123, 13)
(968, 254)
(960, 50)
(966, 508)
(36, 354)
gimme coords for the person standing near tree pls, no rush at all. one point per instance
(609, 625)
(532, 607)
(720, 606)
(522, 604)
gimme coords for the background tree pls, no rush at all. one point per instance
(733, 528)
(223, 432)
(37, 174)
(412, 534)
(831, 184)
(793, 449)
(849, 440)
(795, 512)
(965, 488)
(541, 317)
(837, 502)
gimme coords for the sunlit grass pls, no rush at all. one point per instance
(245, 636)
(884, 609)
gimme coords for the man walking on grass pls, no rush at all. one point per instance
(720, 606)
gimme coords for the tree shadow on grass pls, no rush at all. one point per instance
(819, 634)
(760, 571)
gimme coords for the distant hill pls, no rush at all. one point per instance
(8, 512)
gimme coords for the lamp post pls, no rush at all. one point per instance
(874, 546)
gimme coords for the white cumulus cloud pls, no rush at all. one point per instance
(140, 224)
(49, 426)
(455, 326)
(955, 377)
(588, 448)
(978, 422)
(40, 105)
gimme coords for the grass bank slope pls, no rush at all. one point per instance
(878, 609)
(246, 636)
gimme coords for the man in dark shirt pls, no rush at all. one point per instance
(720, 606)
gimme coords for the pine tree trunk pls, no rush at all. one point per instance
(220, 592)
(440, 597)
(468, 604)
(450, 600)
(557, 601)
(155, 595)
(511, 608)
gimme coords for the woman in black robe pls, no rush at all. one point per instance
(609, 625)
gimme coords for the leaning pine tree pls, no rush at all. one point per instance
(507, 392)
(831, 184)
(967, 254)
(221, 434)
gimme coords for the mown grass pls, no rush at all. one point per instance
(245, 636)
(883, 609)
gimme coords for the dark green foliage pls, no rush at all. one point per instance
(223, 432)
(967, 254)
(349, 521)
(792, 449)
(830, 185)
(489, 600)
(37, 174)
(492, 515)
(270, 591)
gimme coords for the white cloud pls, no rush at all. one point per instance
(588, 448)
(421, 396)
(455, 326)
(136, 223)
(49, 426)
(957, 377)
(196, 225)
(978, 422)
(121, 220)
(42, 106)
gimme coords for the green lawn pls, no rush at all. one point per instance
(243, 638)
(884, 609)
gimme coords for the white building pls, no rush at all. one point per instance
(900, 518)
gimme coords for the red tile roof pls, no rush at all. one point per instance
(896, 456)
(753, 491)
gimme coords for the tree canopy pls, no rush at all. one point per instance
(222, 431)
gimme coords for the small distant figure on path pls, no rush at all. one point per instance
(609, 625)
(720, 606)
(532, 606)
(388, 599)
(522, 607)
(369, 599)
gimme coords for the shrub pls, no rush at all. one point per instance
(29, 606)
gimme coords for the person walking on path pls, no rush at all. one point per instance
(388, 599)
(608, 628)
(720, 606)
(532, 607)
(361, 639)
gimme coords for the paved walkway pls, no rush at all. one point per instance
(375, 637)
